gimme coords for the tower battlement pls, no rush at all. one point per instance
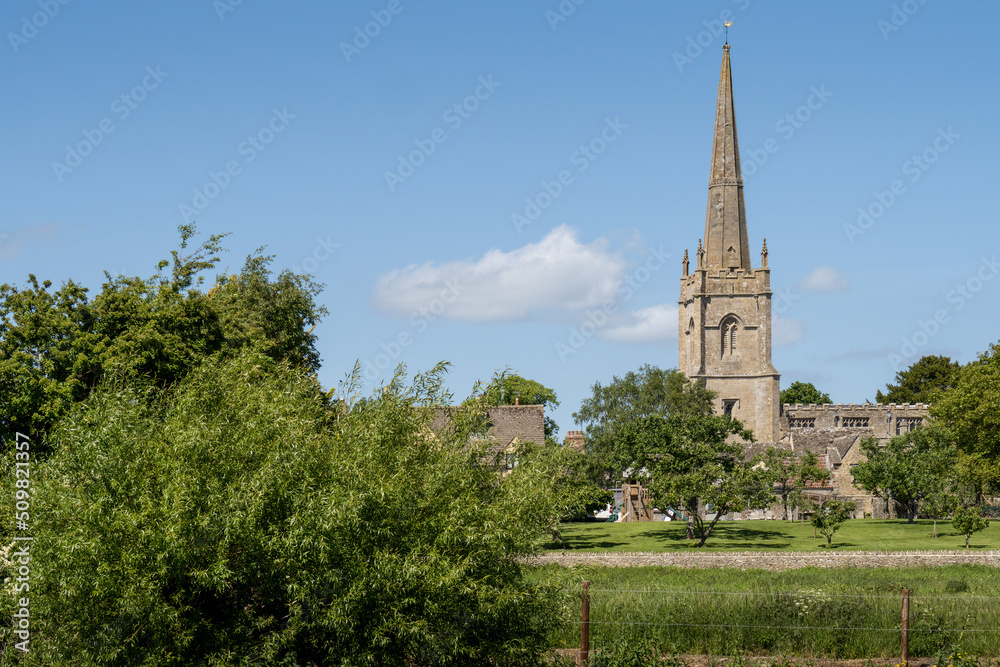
(882, 421)
(854, 406)
(752, 281)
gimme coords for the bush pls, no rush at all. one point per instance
(239, 519)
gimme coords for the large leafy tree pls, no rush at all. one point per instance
(972, 411)
(803, 392)
(572, 480)
(236, 518)
(913, 466)
(972, 408)
(922, 382)
(55, 346)
(790, 474)
(636, 395)
(49, 354)
(693, 465)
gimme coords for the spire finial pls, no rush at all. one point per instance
(763, 255)
(686, 263)
(728, 23)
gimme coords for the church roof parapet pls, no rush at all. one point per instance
(855, 406)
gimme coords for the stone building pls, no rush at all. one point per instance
(725, 325)
(835, 432)
(506, 426)
(724, 311)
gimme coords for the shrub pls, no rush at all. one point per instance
(239, 519)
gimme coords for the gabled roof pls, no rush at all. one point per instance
(835, 442)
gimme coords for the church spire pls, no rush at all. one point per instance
(726, 243)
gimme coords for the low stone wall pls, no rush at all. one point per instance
(773, 561)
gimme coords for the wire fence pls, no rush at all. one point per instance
(805, 622)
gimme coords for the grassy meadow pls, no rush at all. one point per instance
(854, 535)
(810, 612)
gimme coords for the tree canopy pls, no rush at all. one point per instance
(637, 395)
(690, 464)
(922, 382)
(56, 346)
(803, 392)
(912, 467)
(971, 409)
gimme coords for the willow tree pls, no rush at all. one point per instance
(239, 518)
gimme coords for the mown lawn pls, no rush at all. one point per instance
(854, 535)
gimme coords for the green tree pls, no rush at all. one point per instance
(790, 473)
(830, 515)
(803, 392)
(508, 389)
(922, 382)
(940, 504)
(692, 465)
(972, 411)
(49, 355)
(638, 394)
(968, 520)
(237, 518)
(912, 467)
(572, 481)
(56, 346)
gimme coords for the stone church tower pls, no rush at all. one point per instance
(724, 312)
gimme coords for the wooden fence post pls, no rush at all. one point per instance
(585, 625)
(905, 638)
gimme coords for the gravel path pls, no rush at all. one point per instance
(774, 561)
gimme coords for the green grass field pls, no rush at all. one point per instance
(847, 613)
(854, 535)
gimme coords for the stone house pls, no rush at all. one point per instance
(505, 428)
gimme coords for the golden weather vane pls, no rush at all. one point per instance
(728, 23)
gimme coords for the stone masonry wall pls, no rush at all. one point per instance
(774, 562)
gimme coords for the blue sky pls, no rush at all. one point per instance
(473, 181)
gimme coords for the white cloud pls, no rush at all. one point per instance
(786, 331)
(558, 272)
(656, 324)
(824, 279)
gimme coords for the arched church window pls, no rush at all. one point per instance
(730, 327)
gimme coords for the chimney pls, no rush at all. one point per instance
(575, 440)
